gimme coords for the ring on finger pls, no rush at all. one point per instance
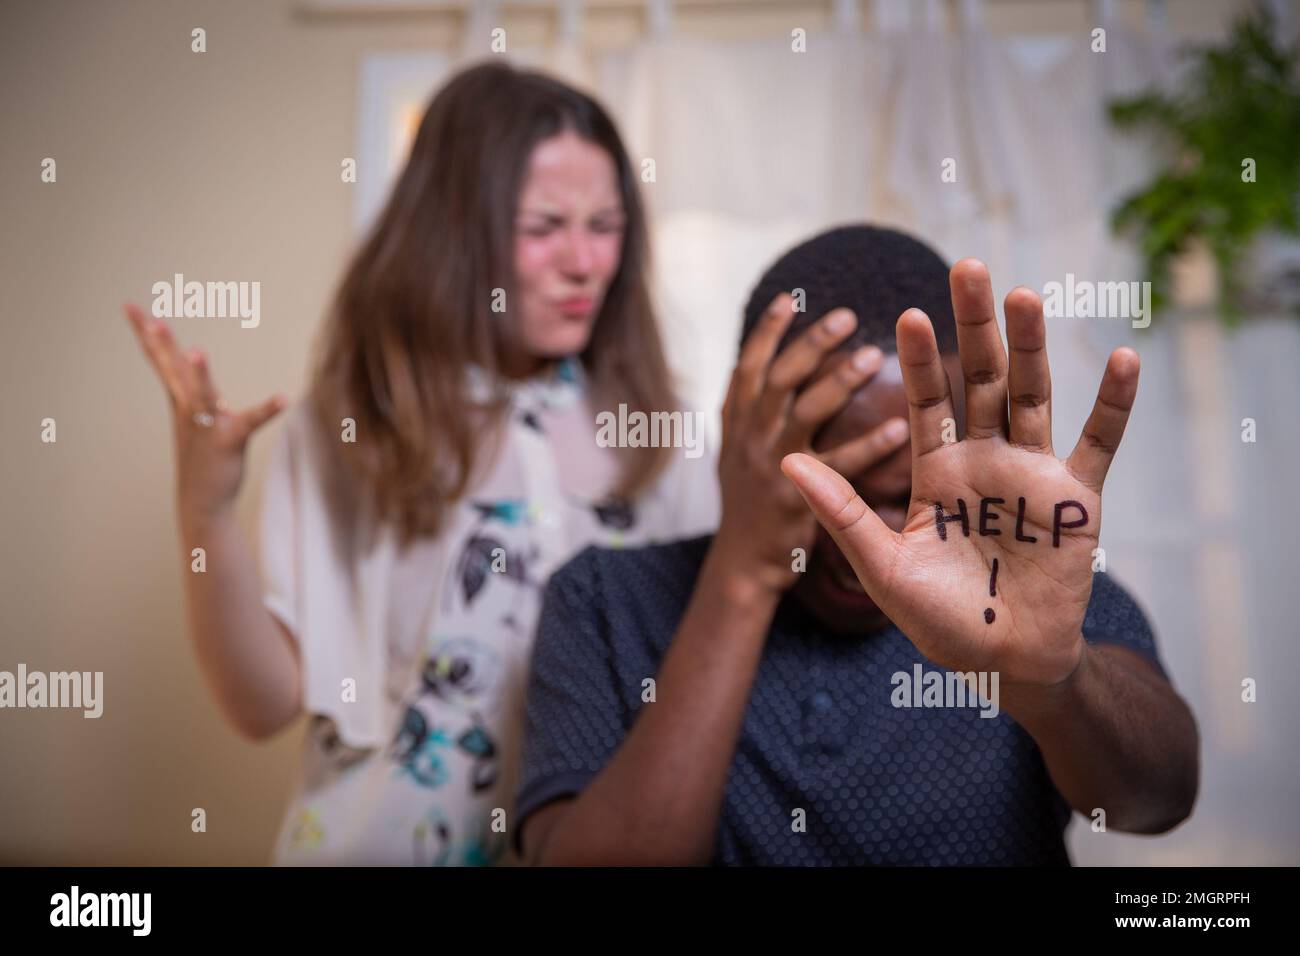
(204, 418)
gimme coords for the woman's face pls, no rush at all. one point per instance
(568, 238)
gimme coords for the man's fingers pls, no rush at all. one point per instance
(858, 531)
(751, 369)
(804, 355)
(869, 450)
(828, 394)
(796, 362)
(924, 380)
(1030, 378)
(983, 360)
(1101, 436)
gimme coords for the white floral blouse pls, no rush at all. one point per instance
(415, 661)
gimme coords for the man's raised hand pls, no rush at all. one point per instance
(993, 569)
(776, 403)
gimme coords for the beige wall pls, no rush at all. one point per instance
(220, 166)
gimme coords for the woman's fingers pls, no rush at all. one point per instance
(154, 352)
(206, 395)
(1030, 378)
(251, 419)
(924, 380)
(188, 377)
(866, 451)
(983, 360)
(177, 369)
(1101, 436)
(821, 400)
(857, 530)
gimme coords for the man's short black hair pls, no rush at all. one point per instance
(878, 273)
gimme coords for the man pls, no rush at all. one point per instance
(783, 724)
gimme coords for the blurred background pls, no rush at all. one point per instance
(225, 165)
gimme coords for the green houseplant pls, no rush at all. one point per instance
(1240, 102)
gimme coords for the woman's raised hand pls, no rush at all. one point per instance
(210, 438)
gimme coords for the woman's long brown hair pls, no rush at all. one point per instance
(413, 309)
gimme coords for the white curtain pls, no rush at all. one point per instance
(757, 147)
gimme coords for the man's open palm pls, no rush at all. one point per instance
(1033, 516)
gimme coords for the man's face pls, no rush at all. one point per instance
(829, 589)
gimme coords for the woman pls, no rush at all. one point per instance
(442, 464)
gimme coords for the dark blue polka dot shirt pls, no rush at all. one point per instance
(876, 784)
